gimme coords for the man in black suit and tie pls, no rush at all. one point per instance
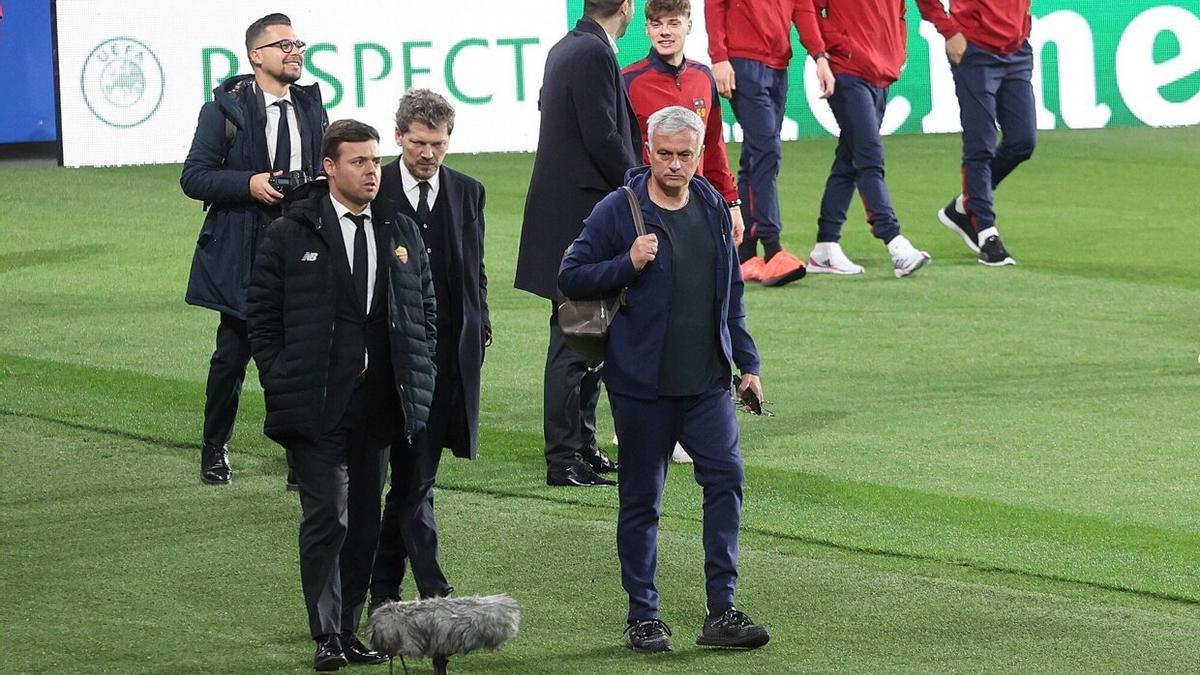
(342, 325)
(448, 208)
(588, 139)
(257, 126)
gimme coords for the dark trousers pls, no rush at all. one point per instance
(648, 430)
(340, 478)
(226, 372)
(571, 390)
(858, 107)
(758, 103)
(409, 532)
(993, 90)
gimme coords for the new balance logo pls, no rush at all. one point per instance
(311, 256)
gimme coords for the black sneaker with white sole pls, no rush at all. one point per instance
(649, 636)
(732, 629)
(993, 253)
(958, 223)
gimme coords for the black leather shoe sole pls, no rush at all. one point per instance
(329, 662)
(364, 660)
(567, 480)
(362, 657)
(207, 480)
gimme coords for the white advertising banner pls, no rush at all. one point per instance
(134, 73)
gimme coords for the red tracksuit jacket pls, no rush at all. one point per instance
(866, 38)
(751, 29)
(654, 84)
(1000, 26)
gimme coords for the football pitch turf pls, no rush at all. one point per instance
(972, 469)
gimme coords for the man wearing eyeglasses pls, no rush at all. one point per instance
(257, 127)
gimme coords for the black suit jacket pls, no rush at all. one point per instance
(589, 138)
(465, 199)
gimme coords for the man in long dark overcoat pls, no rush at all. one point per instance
(589, 138)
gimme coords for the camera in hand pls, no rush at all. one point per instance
(287, 182)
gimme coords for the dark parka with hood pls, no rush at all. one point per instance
(229, 147)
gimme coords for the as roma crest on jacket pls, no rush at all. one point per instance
(401, 255)
(701, 109)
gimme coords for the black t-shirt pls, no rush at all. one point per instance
(691, 360)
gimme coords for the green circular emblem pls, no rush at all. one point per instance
(122, 82)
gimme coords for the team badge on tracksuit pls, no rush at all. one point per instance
(701, 109)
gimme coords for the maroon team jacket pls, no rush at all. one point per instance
(654, 84)
(999, 26)
(866, 38)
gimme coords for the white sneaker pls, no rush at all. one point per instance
(680, 456)
(906, 259)
(827, 258)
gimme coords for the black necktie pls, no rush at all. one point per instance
(359, 272)
(423, 202)
(283, 141)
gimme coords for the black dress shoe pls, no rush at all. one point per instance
(292, 485)
(575, 474)
(329, 654)
(214, 464)
(358, 653)
(599, 461)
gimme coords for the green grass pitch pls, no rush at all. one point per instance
(970, 470)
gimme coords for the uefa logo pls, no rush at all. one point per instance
(122, 82)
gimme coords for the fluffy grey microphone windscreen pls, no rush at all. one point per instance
(444, 626)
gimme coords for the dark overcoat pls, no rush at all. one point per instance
(291, 313)
(217, 172)
(588, 139)
(465, 198)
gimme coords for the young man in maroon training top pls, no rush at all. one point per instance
(749, 42)
(859, 47)
(665, 78)
(988, 47)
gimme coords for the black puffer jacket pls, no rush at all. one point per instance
(291, 312)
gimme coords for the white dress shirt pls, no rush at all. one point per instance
(294, 164)
(412, 190)
(348, 229)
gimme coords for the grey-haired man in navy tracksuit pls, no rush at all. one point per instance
(670, 354)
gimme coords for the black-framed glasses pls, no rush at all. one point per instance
(286, 46)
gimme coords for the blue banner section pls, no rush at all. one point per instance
(26, 72)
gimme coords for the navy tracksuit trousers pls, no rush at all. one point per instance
(758, 103)
(858, 107)
(993, 90)
(647, 431)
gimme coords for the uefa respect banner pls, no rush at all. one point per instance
(133, 73)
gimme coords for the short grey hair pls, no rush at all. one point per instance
(424, 106)
(673, 120)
